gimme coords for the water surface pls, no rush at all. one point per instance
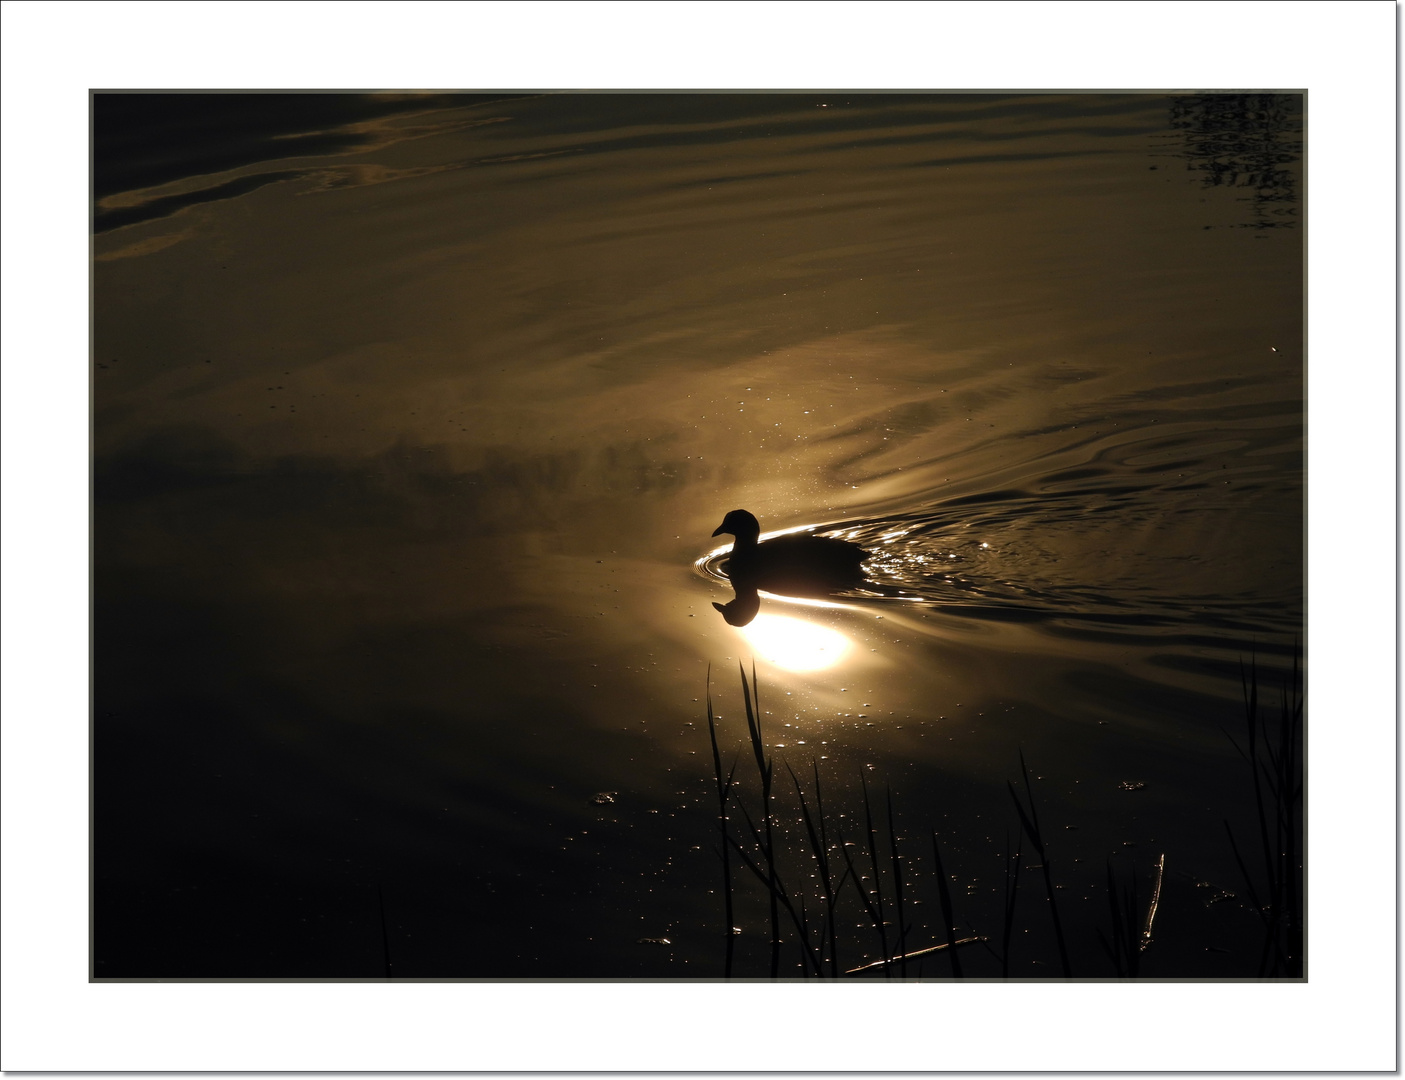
(413, 419)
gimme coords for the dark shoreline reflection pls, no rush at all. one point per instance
(143, 140)
(1247, 141)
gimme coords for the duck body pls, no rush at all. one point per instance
(795, 565)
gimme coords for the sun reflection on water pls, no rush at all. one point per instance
(795, 644)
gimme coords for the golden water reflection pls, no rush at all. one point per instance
(795, 644)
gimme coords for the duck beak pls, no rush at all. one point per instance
(720, 529)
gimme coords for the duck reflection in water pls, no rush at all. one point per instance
(795, 565)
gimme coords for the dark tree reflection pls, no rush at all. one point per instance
(1250, 141)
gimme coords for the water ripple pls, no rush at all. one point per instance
(1048, 557)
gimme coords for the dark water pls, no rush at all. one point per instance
(413, 419)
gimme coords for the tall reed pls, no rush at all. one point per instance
(1011, 894)
(816, 908)
(945, 895)
(724, 789)
(1030, 821)
(897, 866)
(779, 896)
(751, 696)
(879, 920)
(819, 847)
(760, 855)
(1122, 949)
(1273, 753)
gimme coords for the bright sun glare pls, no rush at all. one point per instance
(795, 644)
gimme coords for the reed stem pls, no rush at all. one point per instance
(1030, 821)
(723, 791)
(945, 895)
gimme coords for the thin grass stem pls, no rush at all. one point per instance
(1030, 822)
(723, 791)
(896, 863)
(1012, 891)
(817, 846)
(944, 894)
(751, 696)
(877, 878)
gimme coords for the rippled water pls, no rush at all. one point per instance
(409, 450)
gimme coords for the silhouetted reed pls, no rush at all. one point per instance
(1030, 821)
(779, 898)
(865, 897)
(819, 847)
(897, 886)
(1011, 892)
(724, 790)
(1128, 938)
(877, 891)
(1274, 755)
(816, 908)
(1124, 948)
(751, 696)
(945, 895)
(757, 850)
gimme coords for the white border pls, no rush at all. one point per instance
(1342, 1019)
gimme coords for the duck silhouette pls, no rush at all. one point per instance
(794, 565)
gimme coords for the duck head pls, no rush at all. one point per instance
(742, 524)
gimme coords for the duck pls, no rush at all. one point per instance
(794, 565)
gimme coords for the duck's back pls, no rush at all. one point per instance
(800, 565)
